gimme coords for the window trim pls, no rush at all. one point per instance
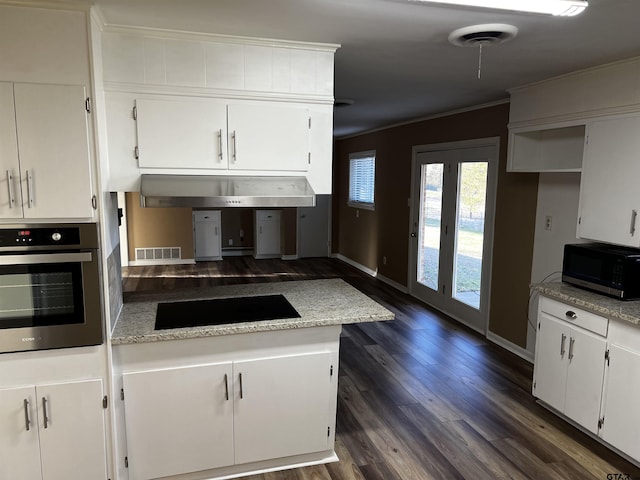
(362, 205)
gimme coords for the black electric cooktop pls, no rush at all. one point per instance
(222, 311)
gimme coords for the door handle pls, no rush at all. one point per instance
(12, 199)
(226, 386)
(220, 144)
(413, 234)
(30, 192)
(572, 341)
(27, 421)
(562, 350)
(44, 411)
(634, 216)
(235, 146)
(241, 391)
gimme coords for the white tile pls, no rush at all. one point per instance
(257, 68)
(123, 58)
(224, 65)
(185, 63)
(155, 72)
(303, 71)
(281, 70)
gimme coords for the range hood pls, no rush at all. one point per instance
(215, 191)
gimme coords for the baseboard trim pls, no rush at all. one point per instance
(512, 347)
(290, 257)
(393, 283)
(359, 266)
(162, 261)
(241, 252)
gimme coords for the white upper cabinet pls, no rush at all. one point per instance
(268, 136)
(209, 104)
(46, 162)
(609, 199)
(174, 132)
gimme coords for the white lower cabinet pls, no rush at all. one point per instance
(620, 415)
(202, 417)
(53, 432)
(207, 235)
(267, 233)
(570, 362)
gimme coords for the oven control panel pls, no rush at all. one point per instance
(39, 237)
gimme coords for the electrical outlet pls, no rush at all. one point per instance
(231, 242)
(547, 222)
(357, 213)
(384, 260)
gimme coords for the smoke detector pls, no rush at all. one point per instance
(483, 35)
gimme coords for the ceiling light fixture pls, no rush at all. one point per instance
(563, 8)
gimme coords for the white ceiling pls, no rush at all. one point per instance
(395, 61)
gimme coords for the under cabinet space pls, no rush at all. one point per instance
(549, 150)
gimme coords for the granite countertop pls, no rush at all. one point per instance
(319, 303)
(628, 310)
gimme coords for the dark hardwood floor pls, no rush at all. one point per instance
(421, 397)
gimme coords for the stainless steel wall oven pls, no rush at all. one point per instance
(49, 287)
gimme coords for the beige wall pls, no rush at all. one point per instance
(158, 227)
(385, 232)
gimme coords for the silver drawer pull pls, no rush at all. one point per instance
(220, 144)
(564, 338)
(571, 315)
(572, 341)
(27, 422)
(241, 391)
(226, 386)
(44, 411)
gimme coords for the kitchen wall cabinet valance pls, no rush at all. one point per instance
(558, 149)
(53, 432)
(609, 201)
(46, 161)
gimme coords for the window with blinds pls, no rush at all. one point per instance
(362, 174)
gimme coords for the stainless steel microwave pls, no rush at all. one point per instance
(608, 269)
(49, 287)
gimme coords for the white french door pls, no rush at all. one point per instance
(452, 208)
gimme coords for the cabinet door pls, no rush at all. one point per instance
(181, 133)
(550, 368)
(621, 426)
(10, 193)
(282, 406)
(268, 137)
(206, 238)
(178, 420)
(72, 431)
(267, 233)
(608, 187)
(53, 144)
(19, 447)
(584, 378)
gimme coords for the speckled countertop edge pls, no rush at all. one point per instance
(319, 302)
(628, 310)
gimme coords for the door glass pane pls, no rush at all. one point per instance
(429, 224)
(472, 194)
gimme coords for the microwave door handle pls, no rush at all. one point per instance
(40, 258)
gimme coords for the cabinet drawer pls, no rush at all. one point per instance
(575, 316)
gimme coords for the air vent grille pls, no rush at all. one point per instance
(159, 253)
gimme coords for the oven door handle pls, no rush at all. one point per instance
(40, 258)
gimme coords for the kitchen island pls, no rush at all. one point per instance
(225, 400)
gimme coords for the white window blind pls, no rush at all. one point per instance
(362, 174)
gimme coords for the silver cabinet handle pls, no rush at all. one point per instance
(634, 216)
(571, 315)
(564, 338)
(12, 200)
(36, 259)
(572, 341)
(226, 386)
(44, 411)
(235, 146)
(220, 144)
(30, 192)
(241, 391)
(27, 422)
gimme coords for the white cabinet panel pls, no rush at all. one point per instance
(550, 377)
(53, 146)
(185, 63)
(66, 436)
(224, 65)
(10, 192)
(621, 415)
(124, 174)
(282, 406)
(72, 443)
(178, 420)
(181, 133)
(207, 236)
(268, 137)
(585, 376)
(19, 447)
(609, 202)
